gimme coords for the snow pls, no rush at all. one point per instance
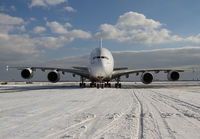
(63, 110)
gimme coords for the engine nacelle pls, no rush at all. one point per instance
(53, 76)
(173, 75)
(27, 73)
(147, 78)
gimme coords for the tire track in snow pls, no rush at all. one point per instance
(154, 112)
(152, 115)
(180, 112)
(61, 132)
(140, 128)
(171, 133)
(126, 120)
(195, 109)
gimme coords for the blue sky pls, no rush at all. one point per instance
(35, 30)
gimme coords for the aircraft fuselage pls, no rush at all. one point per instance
(101, 65)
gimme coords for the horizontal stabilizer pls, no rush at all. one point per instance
(121, 68)
(81, 68)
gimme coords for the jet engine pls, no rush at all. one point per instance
(53, 76)
(173, 75)
(27, 73)
(147, 78)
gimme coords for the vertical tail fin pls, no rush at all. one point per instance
(100, 43)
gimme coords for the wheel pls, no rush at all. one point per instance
(120, 85)
(98, 86)
(102, 86)
(82, 85)
(105, 84)
(92, 85)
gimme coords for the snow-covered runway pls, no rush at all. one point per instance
(161, 110)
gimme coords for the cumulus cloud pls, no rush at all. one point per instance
(62, 29)
(9, 23)
(45, 3)
(39, 29)
(76, 33)
(69, 9)
(17, 48)
(53, 42)
(136, 28)
(57, 27)
(195, 39)
(67, 25)
(9, 20)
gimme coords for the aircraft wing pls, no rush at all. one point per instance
(83, 73)
(127, 72)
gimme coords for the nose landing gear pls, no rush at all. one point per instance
(100, 85)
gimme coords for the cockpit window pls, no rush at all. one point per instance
(100, 57)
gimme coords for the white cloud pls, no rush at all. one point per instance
(16, 48)
(39, 29)
(9, 23)
(195, 39)
(69, 9)
(9, 20)
(136, 28)
(134, 20)
(55, 2)
(53, 42)
(67, 25)
(62, 29)
(57, 27)
(80, 34)
(45, 3)
(17, 45)
(21, 28)
(32, 19)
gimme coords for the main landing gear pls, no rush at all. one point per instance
(82, 84)
(118, 85)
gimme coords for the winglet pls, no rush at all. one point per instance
(100, 42)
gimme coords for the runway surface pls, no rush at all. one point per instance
(158, 111)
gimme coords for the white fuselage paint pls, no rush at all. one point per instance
(101, 64)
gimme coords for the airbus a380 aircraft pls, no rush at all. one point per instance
(100, 71)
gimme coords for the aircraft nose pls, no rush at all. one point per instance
(98, 70)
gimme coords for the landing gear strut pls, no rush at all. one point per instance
(118, 85)
(82, 84)
(108, 84)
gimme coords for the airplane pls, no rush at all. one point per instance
(100, 71)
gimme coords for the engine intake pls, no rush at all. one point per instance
(147, 78)
(27, 73)
(53, 76)
(173, 75)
